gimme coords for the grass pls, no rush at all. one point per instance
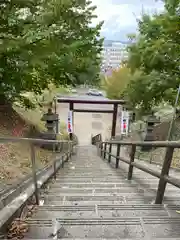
(16, 120)
(33, 116)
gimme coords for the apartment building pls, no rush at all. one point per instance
(112, 55)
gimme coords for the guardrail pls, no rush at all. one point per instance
(14, 197)
(95, 139)
(164, 177)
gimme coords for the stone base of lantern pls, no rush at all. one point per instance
(147, 148)
(49, 146)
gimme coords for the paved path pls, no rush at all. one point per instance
(93, 200)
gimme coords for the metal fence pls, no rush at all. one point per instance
(105, 149)
(156, 155)
(29, 179)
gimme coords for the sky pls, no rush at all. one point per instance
(120, 16)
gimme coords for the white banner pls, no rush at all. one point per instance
(124, 122)
(69, 122)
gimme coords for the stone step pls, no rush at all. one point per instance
(121, 183)
(150, 199)
(118, 185)
(88, 179)
(93, 185)
(125, 183)
(99, 168)
(90, 175)
(82, 200)
(86, 168)
(104, 199)
(104, 175)
(102, 193)
(111, 177)
(121, 228)
(94, 190)
(111, 238)
(102, 211)
(73, 168)
(102, 168)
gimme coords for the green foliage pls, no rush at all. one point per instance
(154, 58)
(116, 83)
(44, 42)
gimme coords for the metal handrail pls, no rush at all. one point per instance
(175, 144)
(35, 172)
(95, 139)
(31, 140)
(164, 177)
(30, 186)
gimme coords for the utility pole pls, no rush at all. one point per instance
(174, 115)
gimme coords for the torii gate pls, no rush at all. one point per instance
(115, 104)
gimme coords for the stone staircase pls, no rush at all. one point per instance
(90, 199)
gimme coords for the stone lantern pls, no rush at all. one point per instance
(50, 118)
(151, 121)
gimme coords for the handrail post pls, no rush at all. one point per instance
(62, 147)
(71, 149)
(164, 172)
(54, 163)
(101, 149)
(105, 149)
(110, 150)
(33, 162)
(92, 139)
(132, 155)
(100, 138)
(118, 155)
(115, 110)
(62, 161)
(98, 147)
(68, 152)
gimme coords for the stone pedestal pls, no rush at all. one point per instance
(151, 121)
(50, 118)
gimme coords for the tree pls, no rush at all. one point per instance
(154, 58)
(43, 42)
(91, 76)
(116, 83)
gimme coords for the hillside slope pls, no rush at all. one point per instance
(15, 157)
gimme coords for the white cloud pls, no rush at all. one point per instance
(120, 16)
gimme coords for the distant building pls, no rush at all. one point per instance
(113, 54)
